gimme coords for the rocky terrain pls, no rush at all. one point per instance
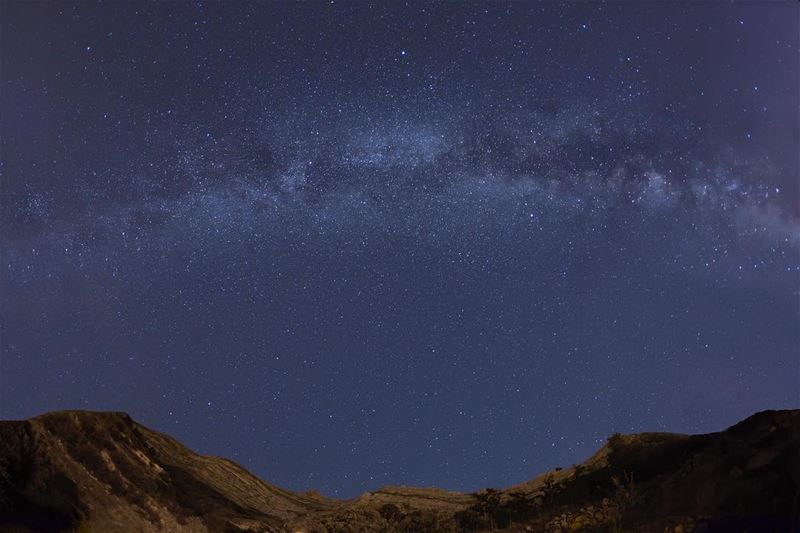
(102, 472)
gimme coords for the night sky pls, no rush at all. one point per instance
(350, 244)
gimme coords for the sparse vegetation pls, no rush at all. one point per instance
(77, 463)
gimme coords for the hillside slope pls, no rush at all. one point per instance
(90, 471)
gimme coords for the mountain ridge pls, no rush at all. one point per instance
(102, 471)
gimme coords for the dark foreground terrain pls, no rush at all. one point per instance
(103, 472)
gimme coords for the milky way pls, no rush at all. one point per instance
(352, 244)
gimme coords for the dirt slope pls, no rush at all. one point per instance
(91, 471)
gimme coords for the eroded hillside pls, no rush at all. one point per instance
(87, 471)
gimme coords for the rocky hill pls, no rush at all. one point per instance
(103, 472)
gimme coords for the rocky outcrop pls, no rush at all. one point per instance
(104, 472)
(87, 471)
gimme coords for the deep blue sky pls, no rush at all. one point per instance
(352, 244)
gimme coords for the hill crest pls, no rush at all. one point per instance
(102, 471)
